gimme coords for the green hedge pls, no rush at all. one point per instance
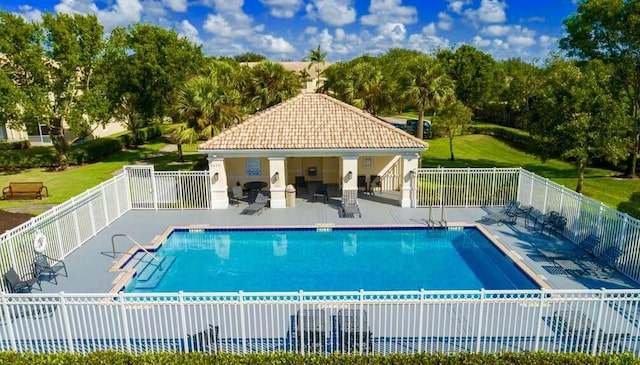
(512, 136)
(140, 136)
(505, 358)
(15, 145)
(94, 150)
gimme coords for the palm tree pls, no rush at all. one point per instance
(316, 58)
(428, 87)
(270, 83)
(205, 107)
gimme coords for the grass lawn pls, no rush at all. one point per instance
(486, 151)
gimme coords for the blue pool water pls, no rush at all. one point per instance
(337, 260)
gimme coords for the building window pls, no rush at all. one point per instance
(3, 132)
(253, 167)
(368, 162)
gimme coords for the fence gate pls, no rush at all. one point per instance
(142, 187)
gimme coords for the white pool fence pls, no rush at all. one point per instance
(559, 320)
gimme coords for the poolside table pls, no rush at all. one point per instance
(254, 187)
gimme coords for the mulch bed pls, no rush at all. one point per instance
(10, 220)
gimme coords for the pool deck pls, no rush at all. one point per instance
(89, 265)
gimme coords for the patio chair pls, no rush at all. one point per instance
(375, 182)
(555, 224)
(321, 191)
(205, 340)
(508, 214)
(237, 194)
(353, 331)
(44, 265)
(311, 330)
(301, 183)
(350, 204)
(604, 264)
(19, 284)
(545, 218)
(532, 217)
(362, 184)
(257, 206)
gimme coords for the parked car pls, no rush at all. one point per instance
(412, 125)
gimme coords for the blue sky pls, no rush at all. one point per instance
(285, 30)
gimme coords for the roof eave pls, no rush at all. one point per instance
(311, 152)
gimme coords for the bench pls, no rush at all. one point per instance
(25, 188)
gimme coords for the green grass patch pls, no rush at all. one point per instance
(485, 151)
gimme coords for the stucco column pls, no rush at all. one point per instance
(218, 179)
(349, 172)
(409, 164)
(276, 182)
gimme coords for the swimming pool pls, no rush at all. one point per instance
(337, 259)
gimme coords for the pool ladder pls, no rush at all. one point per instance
(443, 217)
(113, 246)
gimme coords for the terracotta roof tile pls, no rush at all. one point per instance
(312, 121)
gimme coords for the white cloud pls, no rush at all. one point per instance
(429, 29)
(457, 5)
(30, 13)
(122, 13)
(310, 30)
(187, 30)
(396, 32)
(480, 42)
(282, 8)
(270, 44)
(490, 11)
(445, 21)
(427, 43)
(333, 12)
(224, 5)
(520, 41)
(496, 30)
(385, 11)
(176, 5)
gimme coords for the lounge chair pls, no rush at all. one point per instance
(583, 249)
(237, 194)
(350, 204)
(44, 265)
(19, 284)
(604, 264)
(301, 183)
(205, 340)
(353, 331)
(508, 214)
(257, 206)
(321, 191)
(579, 331)
(311, 330)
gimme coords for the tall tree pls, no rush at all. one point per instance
(427, 87)
(610, 30)
(149, 64)
(522, 84)
(577, 117)
(249, 57)
(316, 59)
(53, 65)
(455, 119)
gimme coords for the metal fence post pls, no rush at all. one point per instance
(536, 345)
(154, 188)
(420, 320)
(125, 322)
(480, 322)
(364, 331)
(75, 222)
(596, 334)
(243, 333)
(466, 189)
(183, 322)
(8, 319)
(67, 322)
(300, 331)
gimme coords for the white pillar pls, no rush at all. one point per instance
(349, 172)
(218, 179)
(276, 182)
(409, 164)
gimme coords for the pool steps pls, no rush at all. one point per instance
(149, 272)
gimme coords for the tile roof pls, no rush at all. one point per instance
(312, 121)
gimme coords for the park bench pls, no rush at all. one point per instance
(24, 188)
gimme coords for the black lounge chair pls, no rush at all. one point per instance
(205, 340)
(321, 191)
(44, 265)
(353, 331)
(311, 332)
(301, 183)
(19, 284)
(350, 204)
(257, 206)
(508, 214)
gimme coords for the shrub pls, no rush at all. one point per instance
(140, 136)
(15, 145)
(95, 150)
(514, 137)
(503, 358)
(41, 156)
